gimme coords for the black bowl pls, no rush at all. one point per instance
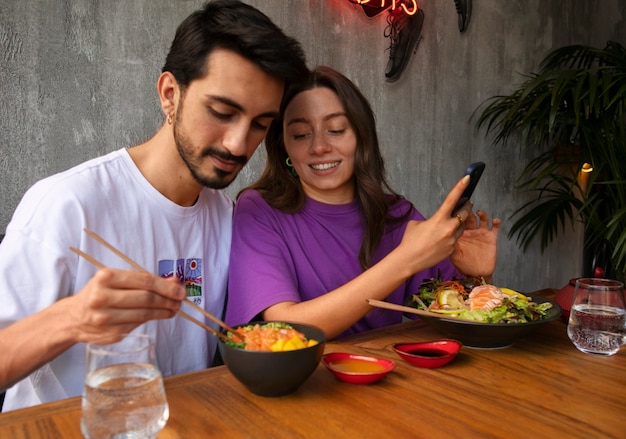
(491, 335)
(275, 373)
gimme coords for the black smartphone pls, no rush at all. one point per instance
(475, 170)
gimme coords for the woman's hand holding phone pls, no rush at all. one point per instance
(426, 243)
(475, 170)
(467, 238)
(475, 250)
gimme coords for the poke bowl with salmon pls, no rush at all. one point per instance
(481, 315)
(273, 358)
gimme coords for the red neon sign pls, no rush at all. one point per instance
(394, 5)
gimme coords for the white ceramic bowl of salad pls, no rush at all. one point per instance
(507, 316)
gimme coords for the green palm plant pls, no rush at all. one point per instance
(571, 112)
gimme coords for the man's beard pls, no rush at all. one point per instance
(221, 179)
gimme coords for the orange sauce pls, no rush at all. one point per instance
(357, 366)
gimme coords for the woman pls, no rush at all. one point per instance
(321, 231)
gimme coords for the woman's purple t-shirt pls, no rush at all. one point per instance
(280, 257)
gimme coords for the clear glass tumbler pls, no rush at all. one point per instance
(597, 318)
(123, 395)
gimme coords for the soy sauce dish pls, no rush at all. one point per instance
(357, 369)
(428, 354)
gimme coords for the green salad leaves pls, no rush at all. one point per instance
(474, 300)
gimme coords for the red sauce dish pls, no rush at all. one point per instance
(357, 369)
(429, 354)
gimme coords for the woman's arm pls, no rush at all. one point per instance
(423, 245)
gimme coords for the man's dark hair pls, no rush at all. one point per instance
(236, 26)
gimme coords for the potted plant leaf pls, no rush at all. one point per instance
(571, 117)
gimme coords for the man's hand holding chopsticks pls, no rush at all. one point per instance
(114, 302)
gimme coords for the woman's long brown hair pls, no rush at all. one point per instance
(282, 190)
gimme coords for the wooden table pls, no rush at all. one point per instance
(540, 387)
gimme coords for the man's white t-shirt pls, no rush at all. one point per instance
(111, 197)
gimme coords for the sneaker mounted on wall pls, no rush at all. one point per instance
(464, 9)
(403, 32)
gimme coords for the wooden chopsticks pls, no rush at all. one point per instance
(138, 267)
(419, 312)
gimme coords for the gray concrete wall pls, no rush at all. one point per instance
(78, 80)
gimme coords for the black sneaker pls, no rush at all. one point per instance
(404, 32)
(464, 9)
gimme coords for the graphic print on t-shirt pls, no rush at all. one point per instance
(188, 272)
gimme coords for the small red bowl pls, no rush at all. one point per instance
(429, 354)
(357, 369)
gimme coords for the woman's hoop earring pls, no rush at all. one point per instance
(169, 118)
(290, 165)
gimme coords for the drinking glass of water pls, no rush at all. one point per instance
(597, 319)
(123, 395)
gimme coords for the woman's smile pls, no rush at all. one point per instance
(325, 166)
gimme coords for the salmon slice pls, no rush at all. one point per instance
(485, 297)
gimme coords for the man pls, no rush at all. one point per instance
(158, 202)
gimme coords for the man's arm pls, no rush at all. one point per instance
(111, 304)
